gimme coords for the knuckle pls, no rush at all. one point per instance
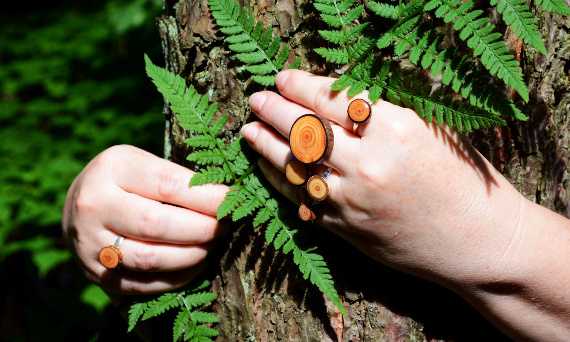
(146, 258)
(322, 98)
(150, 224)
(168, 183)
(84, 202)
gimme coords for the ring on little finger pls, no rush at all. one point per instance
(111, 256)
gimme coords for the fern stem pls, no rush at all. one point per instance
(246, 173)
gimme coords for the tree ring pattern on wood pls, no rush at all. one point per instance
(318, 188)
(296, 172)
(311, 139)
(305, 213)
(359, 111)
(110, 256)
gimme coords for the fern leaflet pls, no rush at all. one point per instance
(257, 48)
(556, 6)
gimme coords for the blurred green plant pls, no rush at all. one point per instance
(71, 85)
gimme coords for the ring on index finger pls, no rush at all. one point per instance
(359, 111)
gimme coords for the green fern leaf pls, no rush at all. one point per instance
(556, 6)
(384, 10)
(158, 306)
(516, 14)
(180, 323)
(254, 46)
(205, 331)
(204, 317)
(198, 299)
(339, 56)
(479, 36)
(135, 312)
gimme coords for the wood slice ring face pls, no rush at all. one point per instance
(296, 172)
(359, 111)
(318, 188)
(306, 214)
(311, 139)
(110, 256)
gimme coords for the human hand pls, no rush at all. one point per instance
(168, 227)
(408, 193)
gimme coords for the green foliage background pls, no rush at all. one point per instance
(72, 83)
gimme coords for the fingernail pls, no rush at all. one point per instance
(249, 132)
(281, 78)
(256, 101)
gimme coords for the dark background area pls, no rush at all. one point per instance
(72, 83)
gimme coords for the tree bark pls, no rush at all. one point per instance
(262, 295)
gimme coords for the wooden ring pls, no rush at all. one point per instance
(306, 214)
(317, 187)
(359, 111)
(111, 256)
(311, 139)
(296, 172)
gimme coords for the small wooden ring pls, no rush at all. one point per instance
(311, 139)
(359, 111)
(306, 214)
(318, 188)
(111, 256)
(296, 172)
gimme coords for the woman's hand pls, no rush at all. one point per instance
(168, 227)
(406, 192)
(419, 198)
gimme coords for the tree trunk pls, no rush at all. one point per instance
(262, 295)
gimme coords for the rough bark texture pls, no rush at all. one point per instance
(262, 294)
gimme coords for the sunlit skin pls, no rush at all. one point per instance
(419, 198)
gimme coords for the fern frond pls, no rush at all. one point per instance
(246, 195)
(196, 114)
(556, 6)
(479, 36)
(456, 71)
(341, 15)
(259, 49)
(516, 14)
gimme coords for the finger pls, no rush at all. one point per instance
(143, 256)
(281, 113)
(162, 180)
(130, 282)
(315, 93)
(148, 220)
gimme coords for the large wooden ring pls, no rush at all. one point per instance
(311, 139)
(111, 256)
